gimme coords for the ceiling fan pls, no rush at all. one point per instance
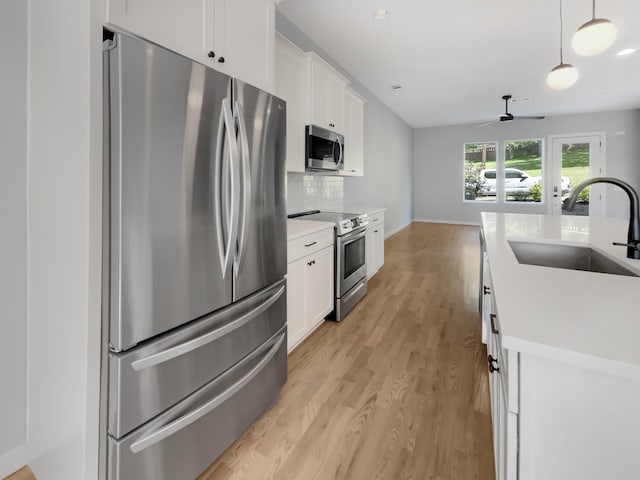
(507, 117)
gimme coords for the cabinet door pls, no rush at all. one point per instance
(335, 104)
(369, 251)
(320, 294)
(353, 135)
(296, 301)
(290, 86)
(319, 95)
(247, 44)
(378, 249)
(178, 26)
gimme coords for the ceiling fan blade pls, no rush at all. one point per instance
(486, 124)
(529, 117)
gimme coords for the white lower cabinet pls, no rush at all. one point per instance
(310, 292)
(374, 243)
(503, 393)
(553, 420)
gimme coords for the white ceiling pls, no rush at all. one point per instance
(456, 58)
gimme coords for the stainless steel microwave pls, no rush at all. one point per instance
(324, 149)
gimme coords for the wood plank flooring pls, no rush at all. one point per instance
(398, 390)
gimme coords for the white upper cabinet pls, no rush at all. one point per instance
(353, 134)
(233, 36)
(327, 90)
(317, 94)
(248, 40)
(290, 85)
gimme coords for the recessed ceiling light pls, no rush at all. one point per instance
(626, 51)
(380, 14)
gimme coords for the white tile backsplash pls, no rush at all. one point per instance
(309, 192)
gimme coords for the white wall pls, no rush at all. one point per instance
(64, 175)
(388, 156)
(438, 161)
(13, 239)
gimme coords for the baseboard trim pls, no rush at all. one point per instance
(13, 460)
(396, 230)
(450, 222)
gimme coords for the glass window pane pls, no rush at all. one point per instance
(480, 171)
(575, 169)
(523, 179)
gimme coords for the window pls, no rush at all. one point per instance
(480, 171)
(523, 177)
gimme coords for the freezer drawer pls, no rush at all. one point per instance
(180, 443)
(149, 379)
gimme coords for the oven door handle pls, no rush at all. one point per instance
(352, 237)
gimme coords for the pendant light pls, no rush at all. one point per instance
(564, 75)
(595, 36)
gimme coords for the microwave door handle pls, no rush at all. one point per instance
(341, 155)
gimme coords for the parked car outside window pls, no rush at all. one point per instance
(515, 180)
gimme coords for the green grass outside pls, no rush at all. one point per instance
(575, 165)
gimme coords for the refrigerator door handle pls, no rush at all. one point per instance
(246, 185)
(194, 415)
(223, 176)
(209, 337)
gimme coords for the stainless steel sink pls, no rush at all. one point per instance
(567, 256)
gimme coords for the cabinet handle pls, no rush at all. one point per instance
(375, 219)
(312, 262)
(310, 244)
(211, 54)
(492, 316)
(221, 60)
(487, 290)
(332, 125)
(375, 231)
(492, 368)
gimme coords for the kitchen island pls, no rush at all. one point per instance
(563, 352)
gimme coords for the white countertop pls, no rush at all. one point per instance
(587, 319)
(300, 228)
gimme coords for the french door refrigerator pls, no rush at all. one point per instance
(196, 260)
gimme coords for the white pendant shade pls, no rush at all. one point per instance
(562, 76)
(594, 37)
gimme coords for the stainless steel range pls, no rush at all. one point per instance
(350, 264)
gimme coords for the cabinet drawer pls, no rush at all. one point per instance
(375, 219)
(151, 378)
(181, 442)
(309, 244)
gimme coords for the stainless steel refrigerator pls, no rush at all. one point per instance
(195, 260)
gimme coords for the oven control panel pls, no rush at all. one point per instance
(348, 225)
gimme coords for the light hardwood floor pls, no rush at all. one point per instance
(398, 390)
(24, 473)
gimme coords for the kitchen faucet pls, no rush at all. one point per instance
(633, 236)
